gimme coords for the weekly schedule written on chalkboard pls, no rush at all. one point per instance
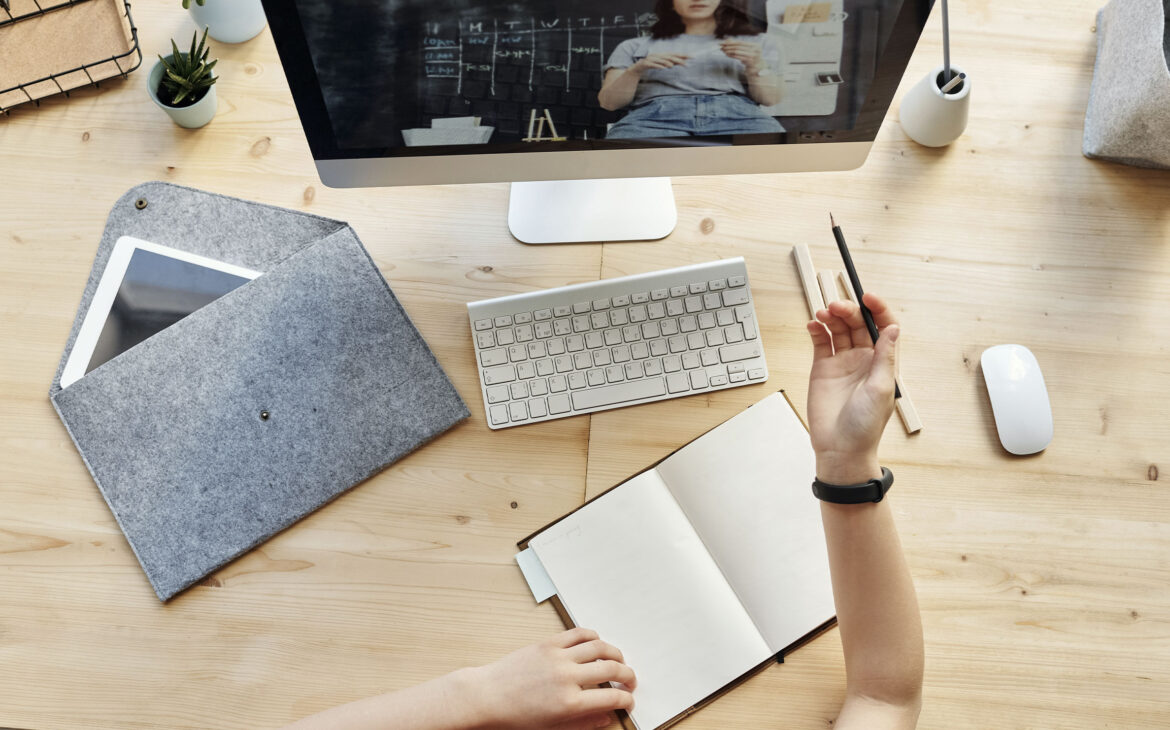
(455, 72)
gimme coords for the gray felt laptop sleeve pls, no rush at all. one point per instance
(171, 430)
(1128, 117)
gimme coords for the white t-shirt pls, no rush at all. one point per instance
(708, 71)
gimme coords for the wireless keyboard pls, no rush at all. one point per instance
(618, 342)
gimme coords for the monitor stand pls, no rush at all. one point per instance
(584, 211)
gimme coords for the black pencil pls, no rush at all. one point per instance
(852, 272)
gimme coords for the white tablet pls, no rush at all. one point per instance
(145, 288)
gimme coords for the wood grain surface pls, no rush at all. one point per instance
(1043, 580)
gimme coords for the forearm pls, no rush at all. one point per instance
(877, 610)
(764, 89)
(619, 90)
(440, 704)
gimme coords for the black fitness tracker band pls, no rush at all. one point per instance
(871, 491)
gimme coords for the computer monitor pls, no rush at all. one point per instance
(589, 107)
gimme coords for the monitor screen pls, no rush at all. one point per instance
(412, 78)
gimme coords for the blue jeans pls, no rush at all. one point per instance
(694, 116)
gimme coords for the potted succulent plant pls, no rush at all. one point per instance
(183, 84)
(229, 21)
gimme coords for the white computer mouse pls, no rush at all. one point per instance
(1019, 399)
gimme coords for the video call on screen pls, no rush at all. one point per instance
(419, 73)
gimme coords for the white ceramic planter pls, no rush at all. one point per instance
(229, 21)
(191, 117)
(932, 118)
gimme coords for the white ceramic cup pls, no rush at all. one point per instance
(932, 118)
(229, 21)
(191, 117)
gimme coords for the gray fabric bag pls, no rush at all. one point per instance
(1128, 119)
(241, 418)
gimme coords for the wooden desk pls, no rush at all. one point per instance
(1043, 580)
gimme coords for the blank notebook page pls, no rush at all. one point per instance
(630, 566)
(746, 486)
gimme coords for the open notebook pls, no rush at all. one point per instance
(701, 569)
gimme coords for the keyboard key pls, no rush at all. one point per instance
(613, 337)
(688, 323)
(621, 354)
(677, 382)
(497, 375)
(538, 387)
(678, 291)
(518, 390)
(543, 314)
(731, 353)
(536, 350)
(669, 327)
(524, 333)
(485, 339)
(709, 357)
(622, 301)
(735, 367)
(488, 358)
(600, 304)
(652, 367)
(599, 320)
(732, 297)
(499, 415)
(562, 327)
(755, 373)
(582, 361)
(593, 340)
(621, 393)
(725, 317)
(630, 333)
(544, 368)
(618, 317)
(633, 370)
(749, 327)
(601, 358)
(698, 287)
(505, 337)
(711, 300)
(557, 383)
(615, 374)
(564, 364)
(639, 351)
(638, 313)
(503, 320)
(523, 318)
(526, 370)
(737, 377)
(656, 310)
(696, 341)
(575, 343)
(690, 361)
(714, 338)
(706, 321)
(517, 353)
(580, 323)
(659, 294)
(562, 311)
(716, 381)
(556, 347)
(650, 331)
(736, 280)
(498, 394)
(717, 284)
(675, 307)
(543, 330)
(734, 333)
(658, 348)
(558, 404)
(483, 324)
(677, 344)
(640, 297)
(698, 379)
(693, 304)
(595, 377)
(537, 408)
(671, 363)
(580, 307)
(576, 380)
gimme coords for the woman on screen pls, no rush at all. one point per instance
(704, 70)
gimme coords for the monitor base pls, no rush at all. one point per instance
(586, 211)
